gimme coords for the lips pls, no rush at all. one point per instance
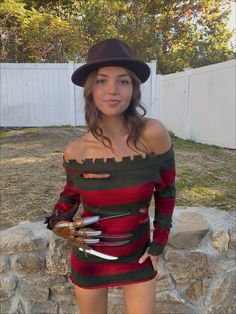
(112, 102)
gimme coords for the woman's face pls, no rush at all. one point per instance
(112, 90)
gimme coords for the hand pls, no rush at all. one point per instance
(154, 260)
(74, 232)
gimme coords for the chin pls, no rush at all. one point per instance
(112, 114)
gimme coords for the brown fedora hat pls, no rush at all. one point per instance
(110, 52)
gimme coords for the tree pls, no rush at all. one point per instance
(31, 36)
(12, 15)
(178, 34)
(99, 20)
(62, 8)
(49, 39)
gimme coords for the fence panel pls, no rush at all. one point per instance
(34, 95)
(173, 102)
(42, 94)
(199, 104)
(212, 104)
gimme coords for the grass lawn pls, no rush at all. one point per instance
(205, 175)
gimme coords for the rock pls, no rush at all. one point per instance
(220, 240)
(20, 308)
(164, 282)
(8, 285)
(48, 307)
(116, 309)
(225, 264)
(188, 231)
(67, 304)
(34, 289)
(223, 298)
(190, 266)
(5, 295)
(4, 264)
(230, 219)
(17, 307)
(170, 302)
(232, 239)
(69, 309)
(231, 254)
(25, 236)
(8, 282)
(5, 306)
(116, 291)
(58, 255)
(116, 301)
(61, 285)
(197, 289)
(30, 262)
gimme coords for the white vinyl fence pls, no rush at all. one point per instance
(42, 94)
(197, 104)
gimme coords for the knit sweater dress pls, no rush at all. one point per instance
(126, 192)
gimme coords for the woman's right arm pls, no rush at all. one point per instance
(68, 202)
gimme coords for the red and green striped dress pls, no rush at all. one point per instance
(128, 190)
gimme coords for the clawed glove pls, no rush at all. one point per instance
(75, 233)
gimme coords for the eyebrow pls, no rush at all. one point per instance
(120, 75)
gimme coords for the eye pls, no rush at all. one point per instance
(124, 82)
(100, 81)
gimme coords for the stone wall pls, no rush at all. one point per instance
(197, 269)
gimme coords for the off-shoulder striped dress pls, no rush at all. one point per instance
(128, 190)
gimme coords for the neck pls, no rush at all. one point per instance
(114, 127)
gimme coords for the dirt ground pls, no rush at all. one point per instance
(32, 175)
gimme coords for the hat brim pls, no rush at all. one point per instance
(141, 69)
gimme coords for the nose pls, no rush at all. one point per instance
(112, 87)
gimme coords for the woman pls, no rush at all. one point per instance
(113, 170)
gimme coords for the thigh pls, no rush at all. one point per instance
(91, 301)
(140, 298)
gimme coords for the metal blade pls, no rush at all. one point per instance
(115, 216)
(91, 241)
(96, 253)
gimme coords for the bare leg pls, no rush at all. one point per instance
(92, 301)
(140, 298)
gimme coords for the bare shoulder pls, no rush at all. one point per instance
(156, 136)
(74, 149)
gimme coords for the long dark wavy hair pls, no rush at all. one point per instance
(132, 116)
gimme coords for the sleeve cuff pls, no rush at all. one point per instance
(155, 249)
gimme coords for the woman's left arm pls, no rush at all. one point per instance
(164, 195)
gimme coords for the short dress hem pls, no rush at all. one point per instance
(110, 285)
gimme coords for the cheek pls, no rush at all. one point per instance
(130, 94)
(127, 92)
(96, 94)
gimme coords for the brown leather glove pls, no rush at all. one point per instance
(75, 233)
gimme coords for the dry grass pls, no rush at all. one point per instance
(205, 175)
(32, 175)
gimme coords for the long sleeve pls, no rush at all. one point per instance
(66, 206)
(164, 197)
